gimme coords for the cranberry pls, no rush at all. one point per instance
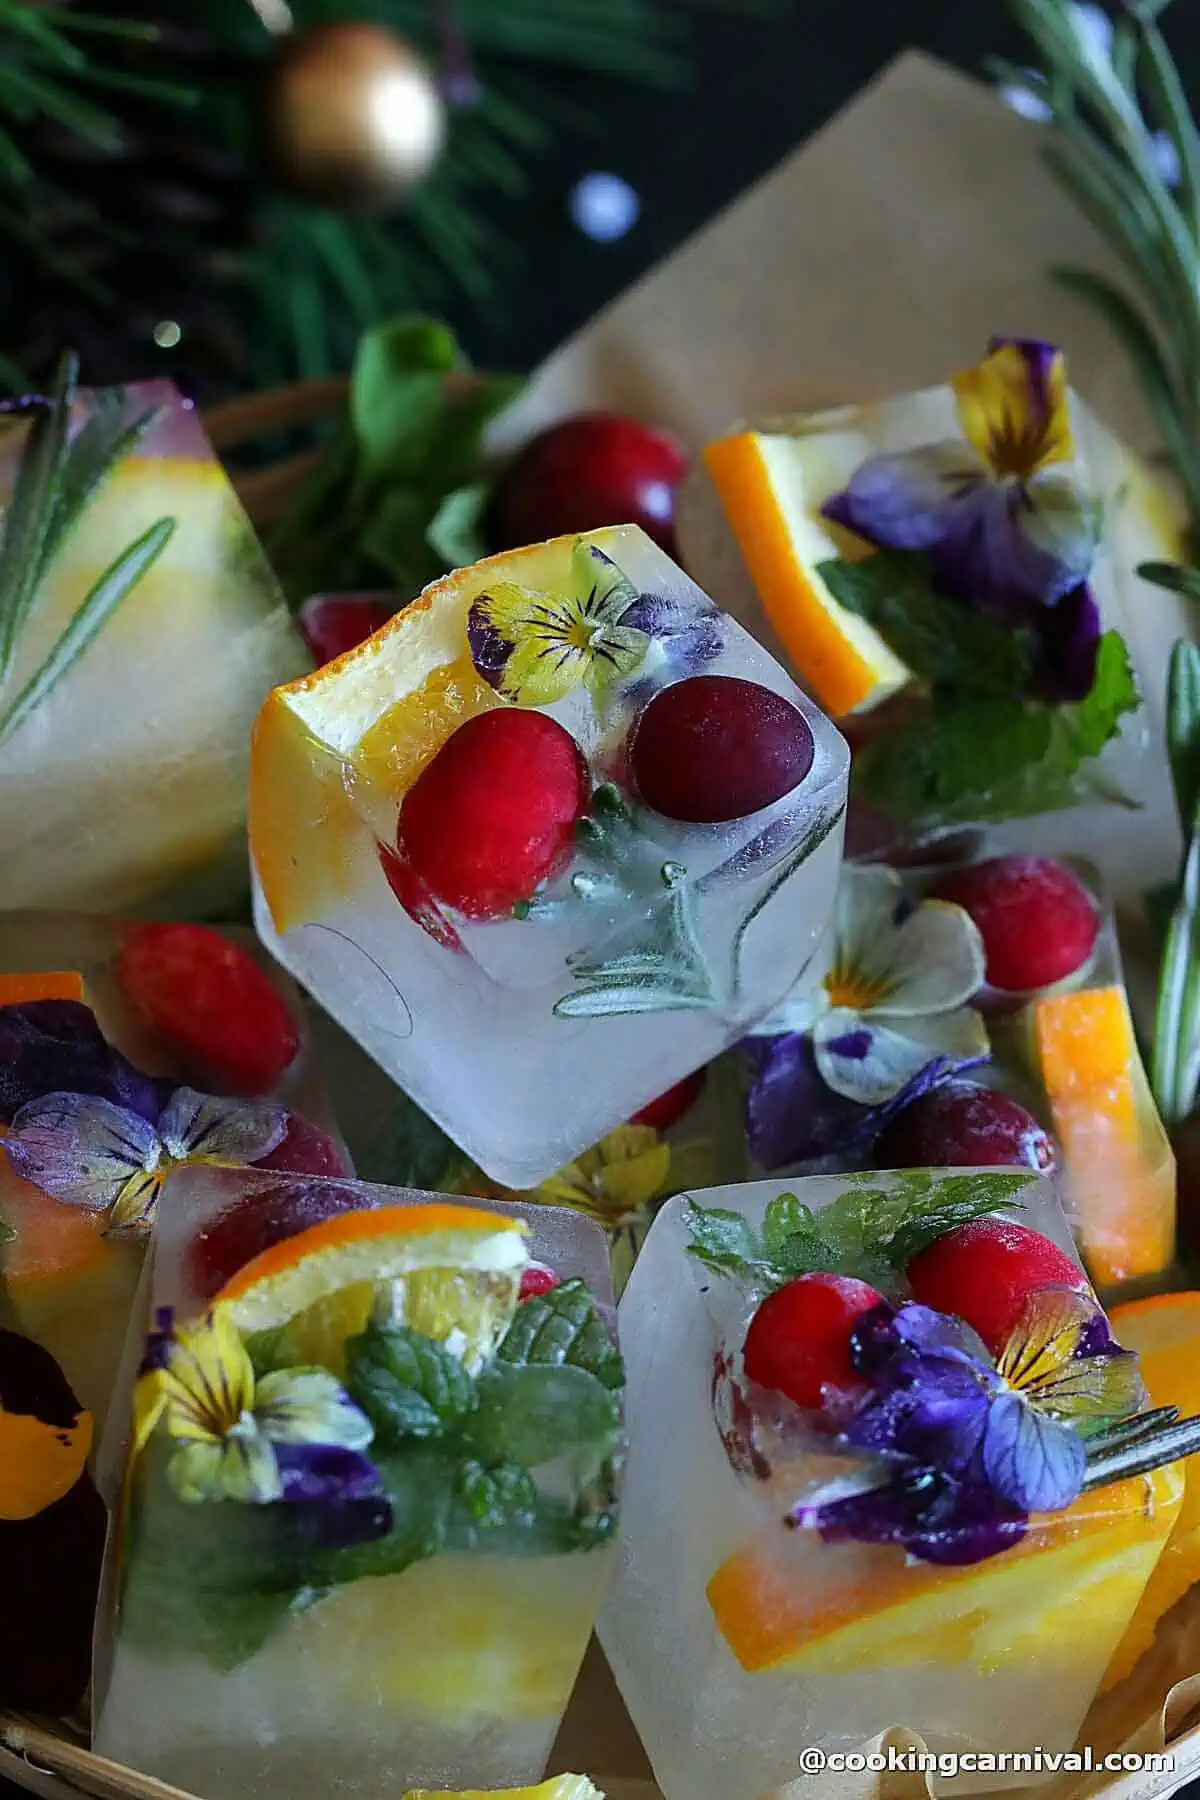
(536, 1281)
(662, 1113)
(589, 471)
(714, 748)
(495, 811)
(984, 1272)
(1038, 921)
(208, 999)
(961, 1125)
(305, 1149)
(331, 624)
(799, 1339)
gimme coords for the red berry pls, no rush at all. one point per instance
(714, 747)
(305, 1150)
(964, 1126)
(984, 1273)
(254, 1223)
(1038, 921)
(662, 1113)
(536, 1280)
(210, 1002)
(495, 812)
(592, 470)
(799, 1339)
(331, 624)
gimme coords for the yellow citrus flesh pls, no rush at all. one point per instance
(454, 1273)
(559, 1787)
(873, 1610)
(1165, 1332)
(370, 721)
(1120, 1168)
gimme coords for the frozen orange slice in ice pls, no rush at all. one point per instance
(559, 1787)
(1119, 1165)
(1165, 1332)
(20, 990)
(771, 488)
(459, 1269)
(822, 1609)
(365, 725)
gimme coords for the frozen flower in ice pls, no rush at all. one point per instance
(538, 647)
(1001, 512)
(893, 998)
(294, 1434)
(88, 1151)
(57, 1046)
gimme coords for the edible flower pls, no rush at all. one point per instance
(45, 1436)
(238, 1438)
(52, 1046)
(1001, 512)
(536, 648)
(975, 1445)
(892, 1000)
(88, 1151)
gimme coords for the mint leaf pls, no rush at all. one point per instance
(408, 1386)
(981, 757)
(563, 1326)
(940, 639)
(455, 533)
(501, 1495)
(723, 1241)
(396, 391)
(270, 1350)
(953, 1201)
(530, 1416)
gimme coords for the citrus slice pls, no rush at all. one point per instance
(454, 1273)
(20, 990)
(854, 1607)
(559, 1787)
(772, 488)
(1119, 1165)
(1165, 1332)
(334, 753)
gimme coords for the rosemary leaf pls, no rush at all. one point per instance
(87, 621)
(1183, 728)
(1174, 1067)
(99, 447)
(1172, 115)
(31, 512)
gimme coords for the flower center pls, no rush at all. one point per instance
(1018, 448)
(853, 990)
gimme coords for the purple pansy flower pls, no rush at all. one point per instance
(56, 1046)
(1000, 512)
(974, 1445)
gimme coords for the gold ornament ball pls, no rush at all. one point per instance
(351, 117)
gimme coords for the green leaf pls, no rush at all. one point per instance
(531, 1415)
(86, 623)
(270, 1351)
(397, 392)
(1177, 579)
(940, 640)
(563, 1326)
(31, 511)
(408, 1386)
(953, 1201)
(978, 757)
(1183, 730)
(455, 533)
(1175, 1057)
(501, 1495)
(723, 1241)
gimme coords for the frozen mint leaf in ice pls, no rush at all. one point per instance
(563, 1326)
(530, 1416)
(408, 1386)
(501, 1495)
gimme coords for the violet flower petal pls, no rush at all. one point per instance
(80, 1149)
(1031, 1460)
(933, 1516)
(1069, 640)
(56, 1046)
(909, 500)
(337, 1493)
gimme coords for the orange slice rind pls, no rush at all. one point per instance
(21, 990)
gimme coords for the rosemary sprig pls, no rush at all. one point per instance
(1106, 111)
(1175, 1059)
(58, 478)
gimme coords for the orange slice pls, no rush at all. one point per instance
(19, 990)
(333, 754)
(771, 494)
(1165, 1332)
(845, 1608)
(1119, 1165)
(454, 1273)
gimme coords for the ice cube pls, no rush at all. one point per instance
(738, 1642)
(528, 985)
(277, 1649)
(130, 1012)
(125, 789)
(755, 523)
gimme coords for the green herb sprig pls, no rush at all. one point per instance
(871, 1231)
(58, 478)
